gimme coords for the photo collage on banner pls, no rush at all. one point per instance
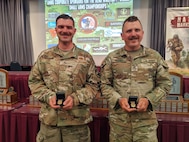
(177, 39)
(98, 23)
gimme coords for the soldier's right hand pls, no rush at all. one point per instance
(52, 102)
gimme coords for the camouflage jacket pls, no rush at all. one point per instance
(144, 76)
(75, 74)
(176, 46)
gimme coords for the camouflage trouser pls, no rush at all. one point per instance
(129, 134)
(79, 133)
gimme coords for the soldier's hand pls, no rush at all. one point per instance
(142, 104)
(68, 103)
(123, 102)
(52, 102)
(178, 49)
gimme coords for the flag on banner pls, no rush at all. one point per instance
(177, 38)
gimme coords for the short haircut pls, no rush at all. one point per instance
(131, 19)
(65, 16)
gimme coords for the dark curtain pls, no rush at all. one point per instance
(15, 32)
(158, 22)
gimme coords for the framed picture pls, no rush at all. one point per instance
(177, 84)
(4, 82)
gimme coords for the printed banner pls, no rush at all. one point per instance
(98, 23)
(177, 38)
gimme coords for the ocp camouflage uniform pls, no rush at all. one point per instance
(75, 74)
(176, 47)
(146, 75)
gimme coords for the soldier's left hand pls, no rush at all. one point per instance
(142, 104)
(68, 103)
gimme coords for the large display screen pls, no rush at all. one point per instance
(98, 23)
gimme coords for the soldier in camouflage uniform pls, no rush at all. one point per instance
(64, 68)
(134, 70)
(176, 46)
